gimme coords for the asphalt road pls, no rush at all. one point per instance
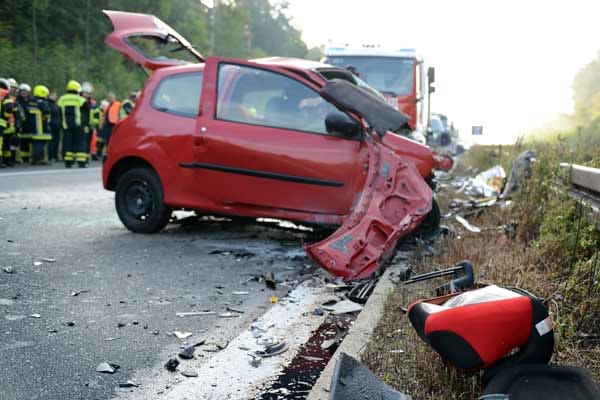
(120, 278)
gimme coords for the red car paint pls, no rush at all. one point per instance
(373, 188)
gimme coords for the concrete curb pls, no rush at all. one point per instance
(360, 333)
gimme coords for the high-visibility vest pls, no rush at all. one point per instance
(70, 107)
(113, 111)
(124, 112)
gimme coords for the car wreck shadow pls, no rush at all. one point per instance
(231, 227)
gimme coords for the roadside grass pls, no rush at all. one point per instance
(552, 251)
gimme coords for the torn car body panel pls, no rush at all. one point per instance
(394, 201)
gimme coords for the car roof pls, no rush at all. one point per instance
(290, 62)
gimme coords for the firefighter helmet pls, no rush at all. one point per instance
(41, 91)
(13, 83)
(4, 84)
(23, 87)
(73, 86)
(87, 87)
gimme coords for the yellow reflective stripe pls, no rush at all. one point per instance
(70, 100)
(3, 123)
(39, 126)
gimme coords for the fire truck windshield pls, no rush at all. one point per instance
(392, 75)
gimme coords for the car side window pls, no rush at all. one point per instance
(260, 97)
(179, 94)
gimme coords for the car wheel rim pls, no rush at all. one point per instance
(139, 200)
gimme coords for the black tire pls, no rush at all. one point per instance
(432, 219)
(139, 201)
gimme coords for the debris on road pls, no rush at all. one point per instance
(187, 353)
(172, 365)
(240, 293)
(48, 259)
(8, 270)
(195, 313)
(110, 339)
(352, 381)
(121, 324)
(273, 299)
(107, 368)
(467, 225)
(189, 374)
(488, 183)
(35, 316)
(273, 350)
(255, 360)
(270, 281)
(228, 315)
(129, 384)
(361, 292)
(182, 335)
(78, 292)
(69, 323)
(235, 310)
(37, 263)
(342, 307)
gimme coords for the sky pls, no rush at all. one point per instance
(507, 65)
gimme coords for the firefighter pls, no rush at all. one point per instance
(91, 120)
(111, 117)
(13, 87)
(128, 105)
(8, 110)
(23, 97)
(72, 107)
(55, 125)
(4, 93)
(39, 111)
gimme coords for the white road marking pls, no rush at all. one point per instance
(228, 374)
(49, 172)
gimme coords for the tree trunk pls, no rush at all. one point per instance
(35, 36)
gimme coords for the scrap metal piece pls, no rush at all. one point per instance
(389, 207)
(467, 225)
(352, 381)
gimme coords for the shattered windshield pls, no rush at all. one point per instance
(159, 49)
(393, 75)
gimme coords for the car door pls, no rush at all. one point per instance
(262, 142)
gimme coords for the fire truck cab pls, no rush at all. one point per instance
(399, 74)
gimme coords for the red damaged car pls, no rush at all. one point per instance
(276, 137)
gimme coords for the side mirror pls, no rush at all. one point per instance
(338, 122)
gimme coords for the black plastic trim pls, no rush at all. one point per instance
(263, 174)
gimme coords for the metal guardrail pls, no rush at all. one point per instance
(585, 188)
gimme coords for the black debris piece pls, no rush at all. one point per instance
(270, 281)
(172, 365)
(352, 381)
(129, 384)
(187, 353)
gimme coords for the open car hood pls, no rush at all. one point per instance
(394, 200)
(130, 27)
(379, 115)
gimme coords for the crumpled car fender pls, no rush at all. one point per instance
(394, 200)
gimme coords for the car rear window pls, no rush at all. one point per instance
(179, 94)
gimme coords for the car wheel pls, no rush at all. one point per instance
(433, 218)
(139, 201)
